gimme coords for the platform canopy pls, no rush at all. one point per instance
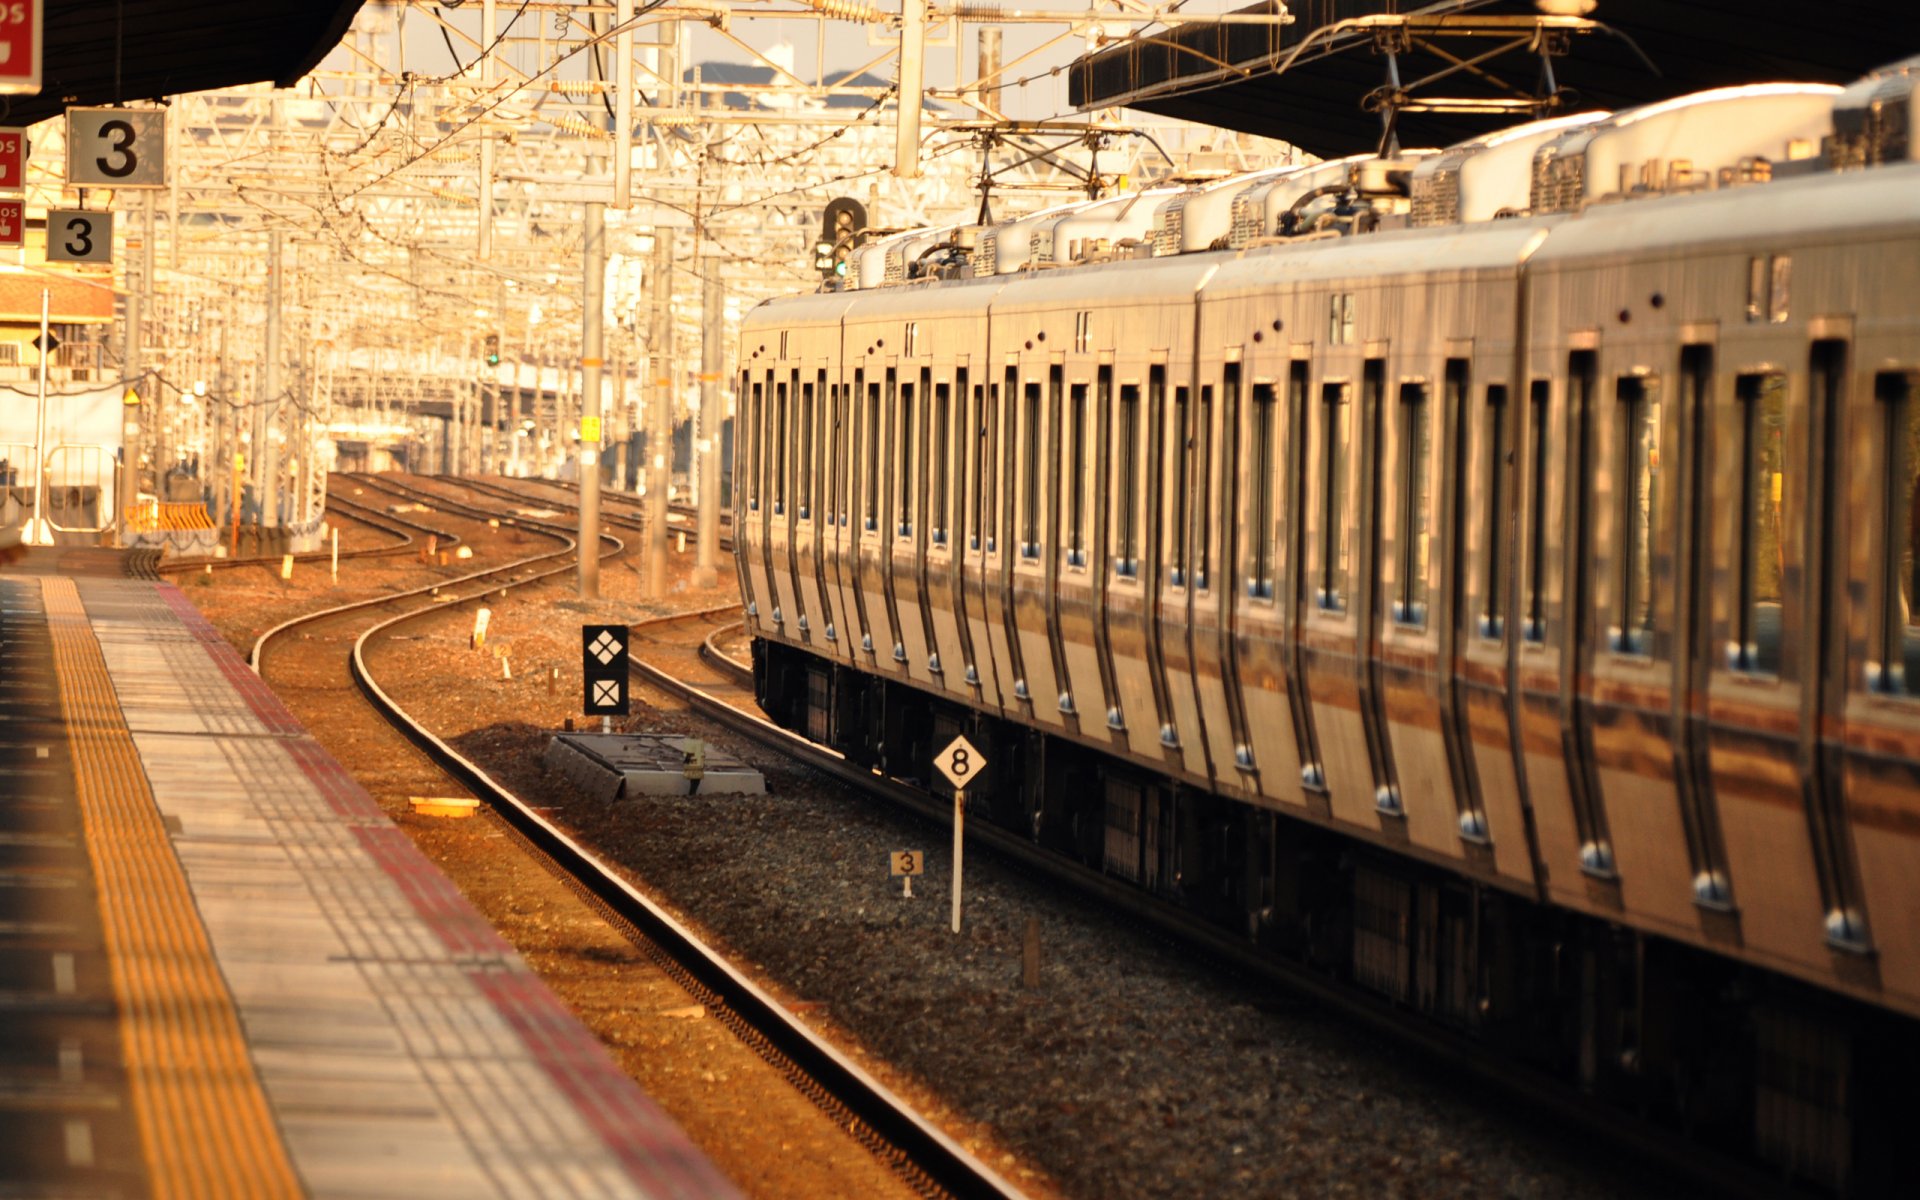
(107, 51)
(1463, 67)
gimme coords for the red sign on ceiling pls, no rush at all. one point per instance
(13, 159)
(21, 22)
(13, 223)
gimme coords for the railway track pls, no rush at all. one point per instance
(403, 532)
(681, 658)
(919, 1153)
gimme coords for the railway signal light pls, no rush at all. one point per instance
(493, 349)
(840, 228)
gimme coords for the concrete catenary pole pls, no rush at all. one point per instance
(268, 408)
(913, 70)
(593, 306)
(706, 436)
(660, 412)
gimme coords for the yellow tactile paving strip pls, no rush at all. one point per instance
(203, 1119)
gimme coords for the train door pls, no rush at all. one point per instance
(809, 403)
(784, 459)
(1001, 459)
(1216, 606)
(853, 524)
(1185, 734)
(1129, 506)
(1035, 413)
(1101, 501)
(1883, 711)
(1329, 654)
(1626, 712)
(899, 570)
(1775, 778)
(1480, 682)
(833, 510)
(946, 608)
(876, 629)
(1259, 632)
(1373, 599)
(981, 671)
(1712, 887)
(908, 571)
(750, 517)
(1298, 574)
(1071, 558)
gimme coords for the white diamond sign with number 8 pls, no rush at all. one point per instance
(960, 763)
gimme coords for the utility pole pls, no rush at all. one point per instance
(593, 304)
(913, 68)
(660, 412)
(706, 434)
(264, 451)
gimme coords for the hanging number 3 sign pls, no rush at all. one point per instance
(78, 235)
(117, 147)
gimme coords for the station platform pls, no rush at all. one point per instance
(224, 972)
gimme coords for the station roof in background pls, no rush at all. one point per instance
(1304, 83)
(107, 51)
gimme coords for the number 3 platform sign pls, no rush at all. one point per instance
(79, 235)
(21, 22)
(116, 147)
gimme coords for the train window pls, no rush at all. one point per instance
(1539, 399)
(1769, 287)
(1900, 620)
(1340, 319)
(904, 457)
(1030, 474)
(962, 450)
(1416, 503)
(1639, 415)
(942, 424)
(804, 475)
(1076, 480)
(985, 401)
(754, 442)
(1763, 416)
(1260, 528)
(830, 503)
(1336, 439)
(870, 461)
(1492, 624)
(779, 447)
(1177, 534)
(1126, 496)
(1203, 480)
(1008, 434)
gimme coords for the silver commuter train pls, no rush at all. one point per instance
(1491, 575)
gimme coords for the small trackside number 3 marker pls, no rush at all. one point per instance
(960, 763)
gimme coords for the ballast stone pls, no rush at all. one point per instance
(615, 766)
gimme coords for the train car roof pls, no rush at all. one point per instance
(1835, 203)
(1437, 250)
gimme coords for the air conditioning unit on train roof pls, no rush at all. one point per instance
(1487, 177)
(1874, 119)
(1262, 211)
(1097, 228)
(906, 252)
(1196, 218)
(1008, 247)
(1709, 139)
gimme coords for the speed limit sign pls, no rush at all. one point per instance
(960, 763)
(79, 235)
(116, 147)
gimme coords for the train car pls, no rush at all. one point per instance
(1487, 575)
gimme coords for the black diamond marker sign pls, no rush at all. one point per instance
(603, 669)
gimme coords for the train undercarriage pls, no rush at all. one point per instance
(1755, 1064)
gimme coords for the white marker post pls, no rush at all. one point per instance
(335, 532)
(960, 763)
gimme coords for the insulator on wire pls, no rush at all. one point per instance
(849, 10)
